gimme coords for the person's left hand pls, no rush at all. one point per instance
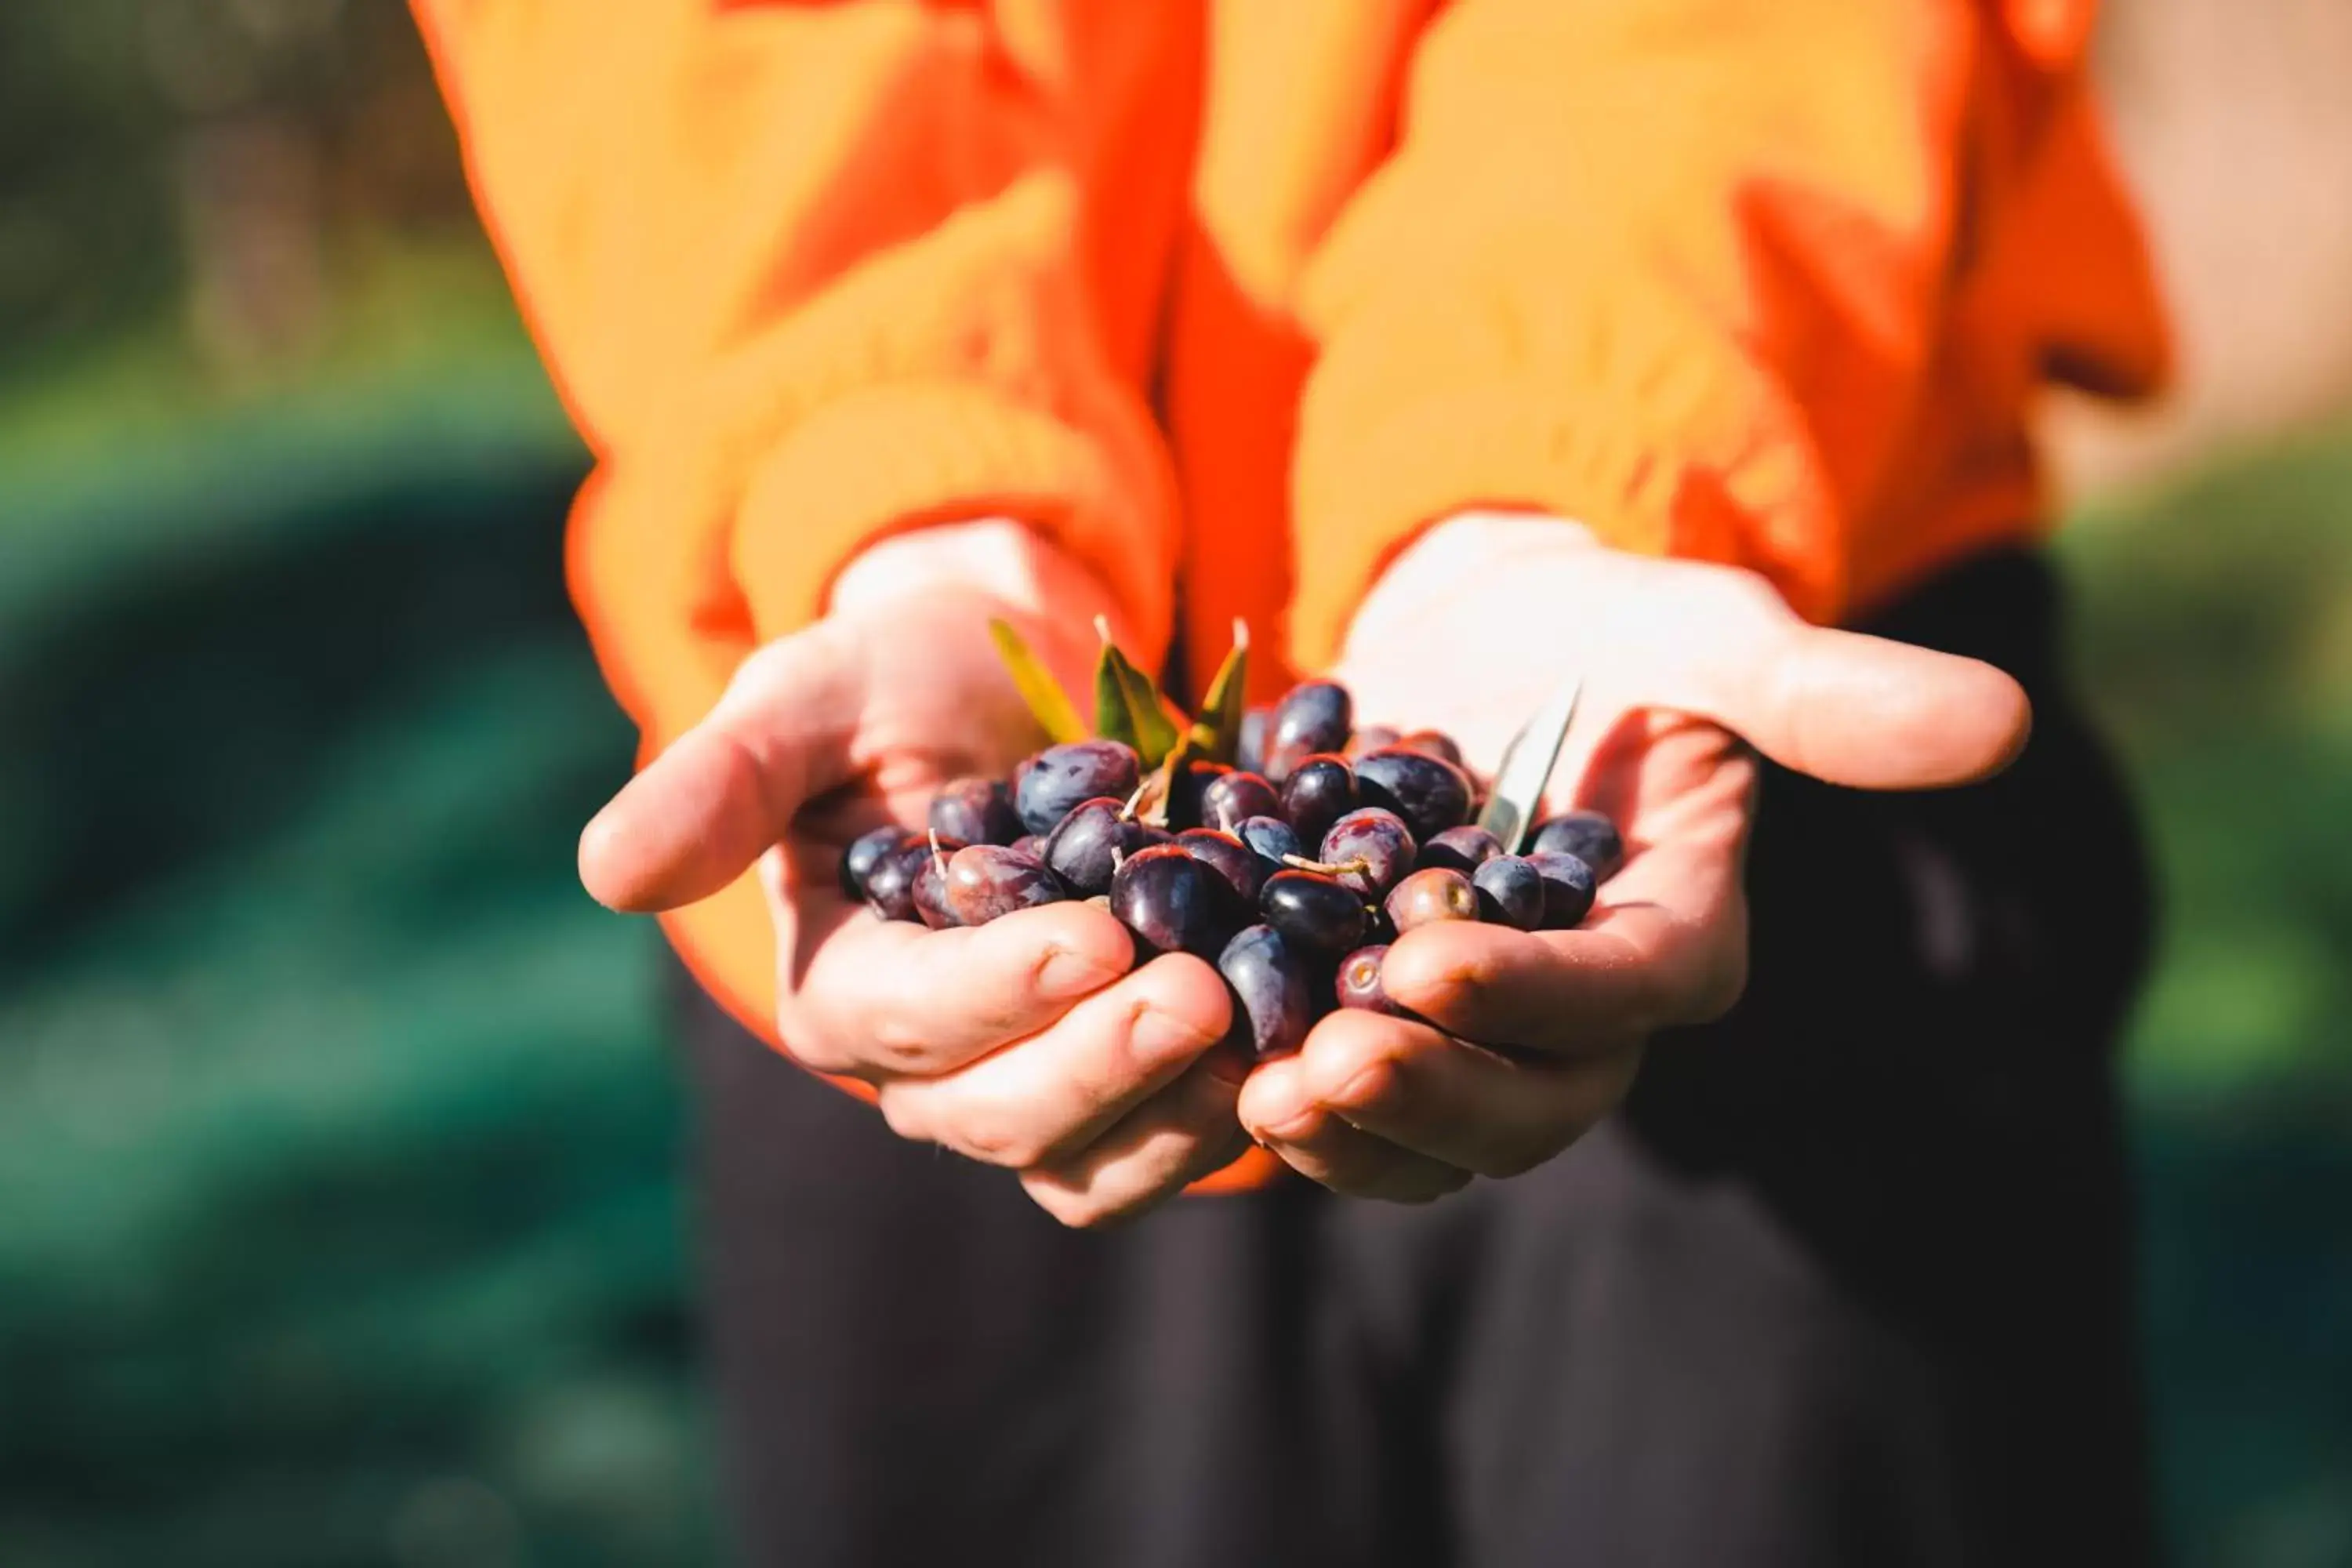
(1528, 1038)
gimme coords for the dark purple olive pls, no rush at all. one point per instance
(1370, 738)
(1311, 717)
(1426, 897)
(1059, 778)
(1271, 839)
(1249, 752)
(930, 860)
(1431, 794)
(1236, 865)
(1437, 743)
(1587, 835)
(1360, 982)
(865, 851)
(1510, 892)
(975, 811)
(891, 882)
(1320, 792)
(1569, 883)
(989, 881)
(1312, 910)
(1031, 844)
(1082, 850)
(1368, 850)
(1170, 901)
(1187, 795)
(1234, 797)
(1462, 850)
(1272, 987)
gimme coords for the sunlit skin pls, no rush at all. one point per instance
(1682, 662)
(1034, 1043)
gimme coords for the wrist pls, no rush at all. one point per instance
(999, 557)
(1460, 555)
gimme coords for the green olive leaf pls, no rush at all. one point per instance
(1052, 705)
(1216, 734)
(1127, 706)
(1113, 721)
(1160, 786)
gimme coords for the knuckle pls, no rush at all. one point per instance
(1070, 1208)
(1088, 1215)
(988, 1134)
(903, 1114)
(815, 1053)
(809, 1044)
(894, 1043)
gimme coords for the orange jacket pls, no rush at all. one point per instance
(1237, 294)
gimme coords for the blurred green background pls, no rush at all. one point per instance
(340, 1218)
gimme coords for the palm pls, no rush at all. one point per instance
(930, 702)
(1680, 663)
(1677, 787)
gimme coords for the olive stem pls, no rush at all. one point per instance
(939, 857)
(1361, 865)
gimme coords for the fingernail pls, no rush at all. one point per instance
(1068, 974)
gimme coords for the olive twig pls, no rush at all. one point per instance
(1358, 866)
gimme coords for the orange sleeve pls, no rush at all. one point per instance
(806, 274)
(1673, 267)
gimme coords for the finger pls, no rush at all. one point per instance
(1046, 1096)
(1633, 969)
(1320, 1145)
(1844, 707)
(1668, 945)
(878, 999)
(1408, 1084)
(1185, 1132)
(718, 797)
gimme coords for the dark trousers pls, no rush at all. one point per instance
(1847, 1281)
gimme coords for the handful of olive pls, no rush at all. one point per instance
(1290, 866)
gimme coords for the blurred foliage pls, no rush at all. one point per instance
(339, 1150)
(147, 145)
(2216, 639)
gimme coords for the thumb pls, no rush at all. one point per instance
(1859, 710)
(713, 802)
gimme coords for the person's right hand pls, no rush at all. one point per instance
(1025, 1043)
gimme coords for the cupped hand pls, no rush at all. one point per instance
(1521, 1041)
(1033, 1042)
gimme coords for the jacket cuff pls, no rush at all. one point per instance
(849, 475)
(1731, 480)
